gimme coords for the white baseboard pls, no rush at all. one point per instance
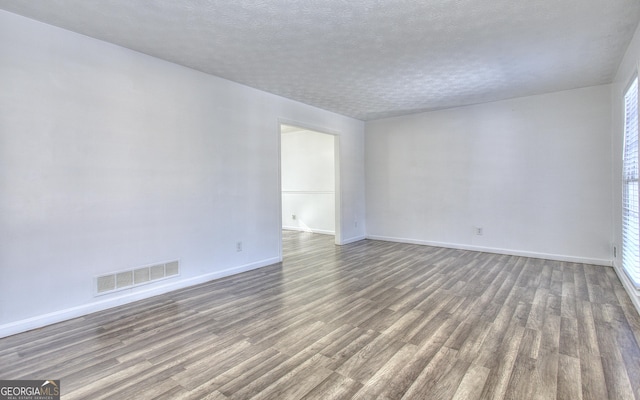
(521, 253)
(297, 228)
(139, 293)
(634, 294)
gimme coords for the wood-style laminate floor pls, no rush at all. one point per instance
(366, 320)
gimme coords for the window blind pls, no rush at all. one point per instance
(630, 204)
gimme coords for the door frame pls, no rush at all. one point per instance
(337, 188)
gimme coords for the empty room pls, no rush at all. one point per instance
(217, 199)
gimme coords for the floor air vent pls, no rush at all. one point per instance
(136, 277)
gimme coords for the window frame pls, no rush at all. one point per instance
(631, 187)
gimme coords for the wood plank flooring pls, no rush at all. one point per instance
(369, 320)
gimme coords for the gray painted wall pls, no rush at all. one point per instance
(534, 173)
(111, 159)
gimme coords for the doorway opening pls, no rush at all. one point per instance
(309, 181)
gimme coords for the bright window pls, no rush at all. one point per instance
(630, 205)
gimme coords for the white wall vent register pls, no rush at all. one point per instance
(139, 276)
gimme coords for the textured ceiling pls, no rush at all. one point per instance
(368, 59)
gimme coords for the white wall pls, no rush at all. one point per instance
(308, 181)
(533, 172)
(628, 69)
(111, 159)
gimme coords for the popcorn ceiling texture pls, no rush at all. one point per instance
(368, 59)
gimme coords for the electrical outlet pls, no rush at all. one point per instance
(239, 246)
(478, 230)
(293, 216)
